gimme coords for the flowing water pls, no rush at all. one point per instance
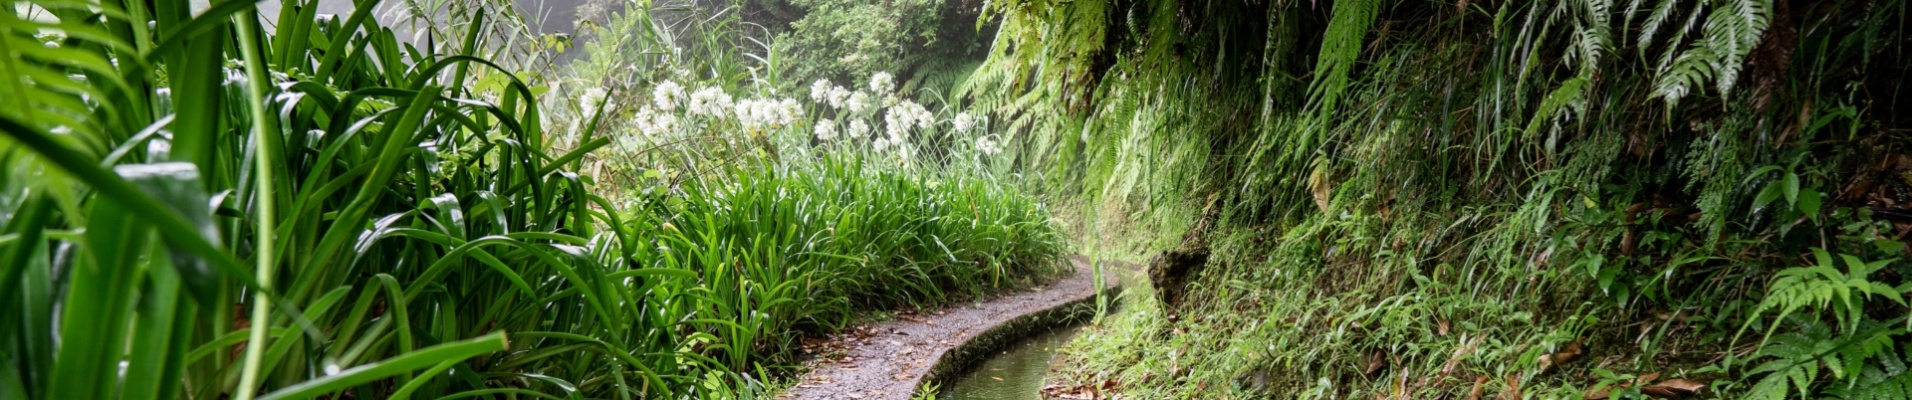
(1015, 374)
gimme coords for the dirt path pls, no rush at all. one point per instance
(890, 359)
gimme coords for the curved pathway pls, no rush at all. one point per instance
(890, 359)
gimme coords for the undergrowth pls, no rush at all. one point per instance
(1518, 199)
(198, 205)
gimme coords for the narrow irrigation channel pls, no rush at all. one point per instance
(1017, 373)
(893, 359)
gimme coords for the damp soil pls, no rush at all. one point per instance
(891, 359)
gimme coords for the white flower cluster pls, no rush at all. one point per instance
(987, 145)
(767, 113)
(710, 102)
(595, 98)
(858, 102)
(964, 122)
(820, 90)
(857, 129)
(824, 92)
(906, 115)
(651, 122)
(826, 130)
(882, 83)
(666, 95)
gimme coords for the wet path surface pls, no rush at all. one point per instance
(890, 359)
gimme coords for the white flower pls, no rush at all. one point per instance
(908, 114)
(820, 90)
(767, 113)
(964, 122)
(750, 113)
(666, 95)
(987, 145)
(837, 96)
(858, 102)
(882, 83)
(826, 130)
(904, 151)
(650, 122)
(857, 129)
(880, 143)
(595, 98)
(789, 111)
(710, 101)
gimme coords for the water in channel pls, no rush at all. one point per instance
(1015, 374)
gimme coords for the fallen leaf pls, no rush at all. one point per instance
(996, 378)
(1513, 388)
(1649, 377)
(1600, 393)
(1570, 353)
(1480, 388)
(1376, 362)
(1673, 388)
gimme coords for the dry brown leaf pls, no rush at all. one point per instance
(1376, 362)
(1599, 393)
(1319, 186)
(1673, 388)
(1513, 388)
(1571, 352)
(1461, 353)
(1440, 326)
(1480, 388)
(1649, 377)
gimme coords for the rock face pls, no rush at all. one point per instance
(1171, 270)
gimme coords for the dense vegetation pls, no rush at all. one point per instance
(1348, 199)
(1417, 199)
(198, 206)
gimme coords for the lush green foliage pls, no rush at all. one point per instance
(1445, 191)
(841, 39)
(196, 207)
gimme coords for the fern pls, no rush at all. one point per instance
(1795, 359)
(1732, 29)
(1822, 285)
(1886, 381)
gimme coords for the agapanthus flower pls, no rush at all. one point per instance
(857, 129)
(987, 145)
(788, 111)
(837, 96)
(710, 101)
(767, 113)
(820, 90)
(904, 151)
(826, 130)
(964, 122)
(882, 83)
(751, 113)
(649, 121)
(666, 95)
(858, 102)
(595, 98)
(904, 116)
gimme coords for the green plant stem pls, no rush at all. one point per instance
(262, 240)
